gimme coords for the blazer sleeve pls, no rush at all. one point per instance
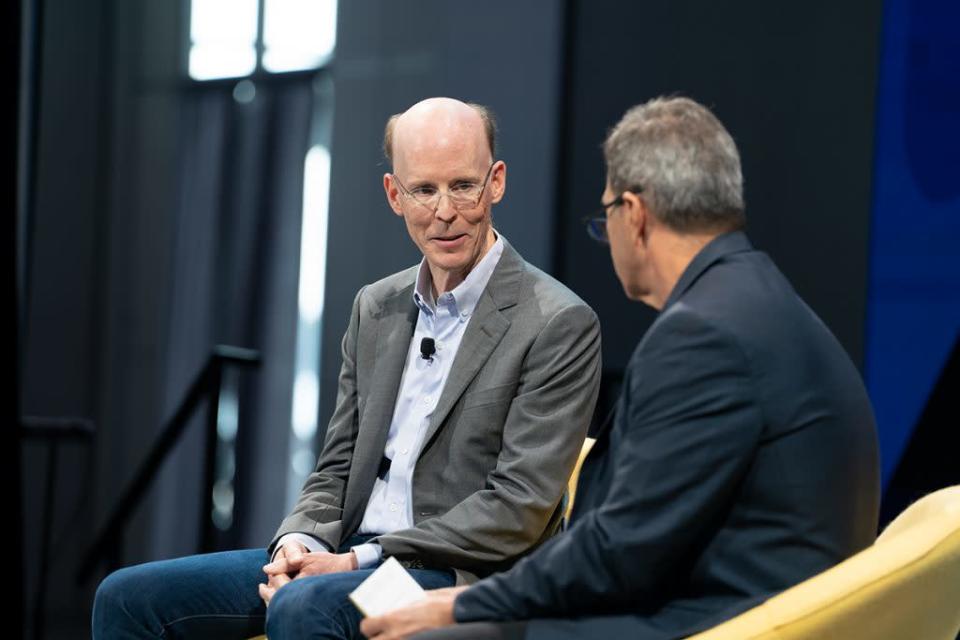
(319, 508)
(542, 434)
(687, 437)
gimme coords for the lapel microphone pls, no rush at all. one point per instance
(427, 348)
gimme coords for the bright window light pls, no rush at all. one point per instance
(313, 269)
(223, 499)
(313, 236)
(228, 413)
(304, 462)
(306, 395)
(223, 37)
(298, 34)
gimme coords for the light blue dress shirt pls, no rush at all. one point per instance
(445, 319)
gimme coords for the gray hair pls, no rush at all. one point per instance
(486, 114)
(684, 162)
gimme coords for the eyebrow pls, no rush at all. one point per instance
(429, 183)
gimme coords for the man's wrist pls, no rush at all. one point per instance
(448, 610)
(311, 543)
(368, 555)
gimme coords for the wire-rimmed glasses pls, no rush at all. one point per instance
(462, 195)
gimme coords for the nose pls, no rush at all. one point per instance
(445, 212)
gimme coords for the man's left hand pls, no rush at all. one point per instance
(268, 590)
(312, 564)
(282, 570)
(434, 611)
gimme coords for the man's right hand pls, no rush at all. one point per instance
(297, 564)
(294, 560)
(287, 561)
(284, 567)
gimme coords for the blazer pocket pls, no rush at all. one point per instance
(491, 395)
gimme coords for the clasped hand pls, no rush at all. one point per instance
(294, 561)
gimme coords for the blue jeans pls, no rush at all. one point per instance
(215, 595)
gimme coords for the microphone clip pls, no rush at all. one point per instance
(427, 348)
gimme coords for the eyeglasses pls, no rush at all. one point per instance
(463, 195)
(596, 222)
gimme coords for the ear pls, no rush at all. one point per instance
(498, 181)
(637, 216)
(393, 193)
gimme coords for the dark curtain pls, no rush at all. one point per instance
(236, 247)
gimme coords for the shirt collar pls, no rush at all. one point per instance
(465, 295)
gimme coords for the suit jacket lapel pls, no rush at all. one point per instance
(484, 332)
(396, 321)
(394, 332)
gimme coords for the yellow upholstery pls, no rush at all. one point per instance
(575, 476)
(906, 586)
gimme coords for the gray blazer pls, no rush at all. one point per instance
(501, 442)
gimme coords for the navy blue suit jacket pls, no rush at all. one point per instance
(741, 461)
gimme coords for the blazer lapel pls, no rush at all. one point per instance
(396, 321)
(484, 332)
(394, 332)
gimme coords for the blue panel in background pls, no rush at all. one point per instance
(913, 310)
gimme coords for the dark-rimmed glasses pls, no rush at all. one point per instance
(596, 222)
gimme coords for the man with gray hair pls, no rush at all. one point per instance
(742, 458)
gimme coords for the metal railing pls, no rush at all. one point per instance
(107, 544)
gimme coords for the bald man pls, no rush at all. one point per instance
(467, 386)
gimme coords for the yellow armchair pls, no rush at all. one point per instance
(904, 587)
(575, 477)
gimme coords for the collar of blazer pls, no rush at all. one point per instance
(715, 250)
(397, 318)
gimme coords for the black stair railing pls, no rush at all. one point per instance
(107, 545)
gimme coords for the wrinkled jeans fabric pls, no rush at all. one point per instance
(215, 596)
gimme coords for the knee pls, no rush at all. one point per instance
(293, 600)
(313, 607)
(115, 590)
(117, 602)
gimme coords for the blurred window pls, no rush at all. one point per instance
(237, 38)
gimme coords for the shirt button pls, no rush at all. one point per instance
(405, 451)
(393, 506)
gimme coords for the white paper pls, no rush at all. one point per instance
(389, 587)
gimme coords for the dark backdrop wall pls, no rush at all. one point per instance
(794, 83)
(99, 263)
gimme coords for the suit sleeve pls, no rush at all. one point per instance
(319, 509)
(688, 433)
(544, 428)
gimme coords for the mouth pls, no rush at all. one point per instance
(450, 240)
